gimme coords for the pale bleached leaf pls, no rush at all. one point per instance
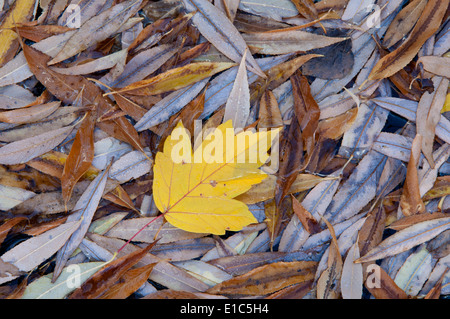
(393, 145)
(131, 165)
(218, 29)
(273, 9)
(97, 29)
(24, 150)
(407, 238)
(32, 252)
(415, 271)
(83, 211)
(170, 105)
(359, 189)
(237, 107)
(44, 288)
(15, 96)
(352, 275)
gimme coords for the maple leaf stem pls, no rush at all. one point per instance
(138, 232)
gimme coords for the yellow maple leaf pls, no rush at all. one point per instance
(195, 190)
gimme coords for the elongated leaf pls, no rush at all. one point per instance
(170, 105)
(404, 22)
(97, 285)
(352, 275)
(411, 202)
(237, 108)
(407, 238)
(97, 29)
(175, 79)
(358, 190)
(360, 137)
(15, 96)
(415, 271)
(425, 27)
(99, 64)
(29, 114)
(142, 65)
(393, 145)
(283, 42)
(428, 111)
(43, 288)
(83, 212)
(266, 279)
(32, 252)
(24, 150)
(217, 29)
(274, 9)
(80, 156)
(131, 165)
(126, 229)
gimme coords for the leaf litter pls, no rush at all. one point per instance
(225, 149)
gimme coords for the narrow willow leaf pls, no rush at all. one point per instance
(218, 29)
(88, 9)
(410, 201)
(429, 113)
(273, 9)
(131, 165)
(97, 29)
(170, 105)
(166, 233)
(237, 108)
(316, 202)
(393, 145)
(352, 275)
(176, 78)
(43, 288)
(283, 42)
(266, 279)
(99, 64)
(426, 26)
(24, 150)
(32, 252)
(220, 87)
(29, 114)
(15, 96)
(407, 238)
(209, 274)
(360, 137)
(83, 212)
(359, 189)
(80, 156)
(403, 23)
(427, 174)
(142, 65)
(415, 271)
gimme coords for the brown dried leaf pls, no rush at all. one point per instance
(411, 202)
(266, 279)
(428, 23)
(81, 155)
(97, 285)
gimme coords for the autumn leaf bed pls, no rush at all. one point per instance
(262, 149)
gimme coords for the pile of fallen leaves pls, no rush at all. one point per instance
(348, 97)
